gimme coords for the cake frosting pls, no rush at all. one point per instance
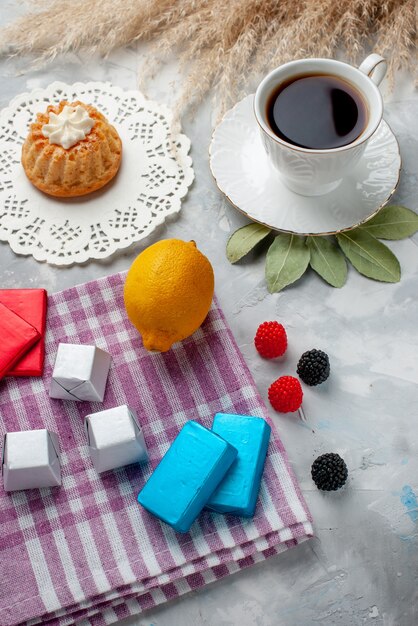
(68, 127)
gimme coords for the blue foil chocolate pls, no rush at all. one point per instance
(186, 476)
(238, 492)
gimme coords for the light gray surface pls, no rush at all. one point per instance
(362, 568)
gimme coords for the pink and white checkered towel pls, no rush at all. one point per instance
(87, 552)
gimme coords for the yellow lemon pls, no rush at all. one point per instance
(168, 292)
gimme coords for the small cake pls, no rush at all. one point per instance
(71, 150)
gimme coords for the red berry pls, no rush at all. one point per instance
(285, 394)
(270, 340)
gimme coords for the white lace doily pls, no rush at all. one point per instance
(152, 180)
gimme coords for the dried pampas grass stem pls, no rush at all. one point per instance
(224, 44)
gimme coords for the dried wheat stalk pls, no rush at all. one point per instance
(220, 43)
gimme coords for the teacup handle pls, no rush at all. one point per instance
(375, 67)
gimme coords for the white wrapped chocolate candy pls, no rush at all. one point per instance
(80, 373)
(115, 438)
(31, 459)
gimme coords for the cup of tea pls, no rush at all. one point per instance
(316, 117)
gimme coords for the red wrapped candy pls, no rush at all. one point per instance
(17, 336)
(30, 305)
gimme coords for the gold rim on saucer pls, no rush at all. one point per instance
(292, 232)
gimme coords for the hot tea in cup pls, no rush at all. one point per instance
(316, 117)
(317, 111)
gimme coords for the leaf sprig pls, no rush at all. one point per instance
(289, 256)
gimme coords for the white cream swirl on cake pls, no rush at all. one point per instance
(68, 127)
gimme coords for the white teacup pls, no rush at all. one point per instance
(316, 172)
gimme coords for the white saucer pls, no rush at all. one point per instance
(245, 175)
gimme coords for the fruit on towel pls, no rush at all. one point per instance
(270, 340)
(285, 394)
(168, 292)
(329, 472)
(313, 367)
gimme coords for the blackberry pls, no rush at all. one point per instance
(329, 472)
(313, 367)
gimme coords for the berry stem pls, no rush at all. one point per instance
(302, 414)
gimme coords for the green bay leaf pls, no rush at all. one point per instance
(327, 261)
(287, 260)
(369, 256)
(243, 240)
(392, 222)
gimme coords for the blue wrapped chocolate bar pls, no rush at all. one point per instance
(238, 492)
(186, 476)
